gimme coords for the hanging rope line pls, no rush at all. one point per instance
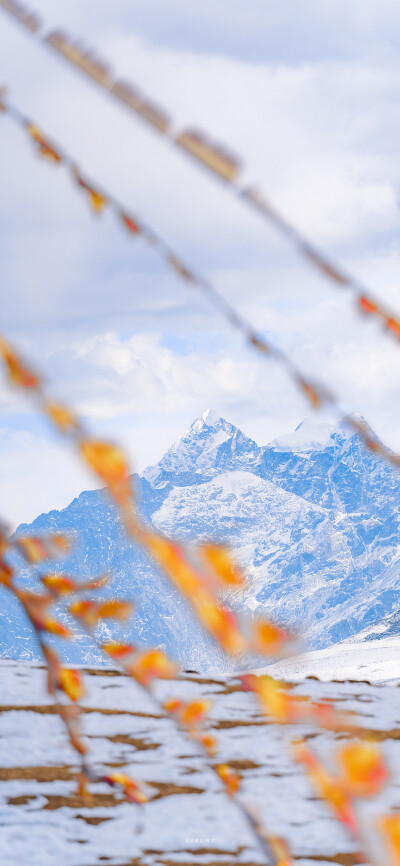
(317, 394)
(217, 158)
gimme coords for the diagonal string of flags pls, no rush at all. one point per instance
(315, 392)
(219, 159)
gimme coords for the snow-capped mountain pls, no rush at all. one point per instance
(313, 517)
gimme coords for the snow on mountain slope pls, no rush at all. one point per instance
(308, 436)
(314, 520)
(211, 445)
(387, 627)
(376, 661)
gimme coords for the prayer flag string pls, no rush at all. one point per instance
(217, 158)
(317, 394)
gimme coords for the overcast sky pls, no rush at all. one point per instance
(308, 93)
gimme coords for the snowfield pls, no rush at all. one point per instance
(377, 661)
(187, 820)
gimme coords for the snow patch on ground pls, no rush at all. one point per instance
(188, 819)
(377, 661)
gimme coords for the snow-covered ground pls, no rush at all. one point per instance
(377, 661)
(188, 820)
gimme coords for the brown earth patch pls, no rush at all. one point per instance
(341, 859)
(22, 800)
(245, 764)
(38, 774)
(167, 789)
(196, 862)
(76, 802)
(93, 819)
(240, 723)
(139, 744)
(73, 801)
(199, 851)
(104, 672)
(380, 736)
(50, 709)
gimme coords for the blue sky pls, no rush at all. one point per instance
(308, 93)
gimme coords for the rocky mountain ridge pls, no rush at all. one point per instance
(313, 517)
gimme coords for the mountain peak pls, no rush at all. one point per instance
(211, 445)
(210, 418)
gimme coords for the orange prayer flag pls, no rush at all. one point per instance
(53, 626)
(62, 417)
(389, 826)
(44, 147)
(131, 224)
(190, 714)
(288, 709)
(173, 705)
(6, 573)
(4, 541)
(115, 609)
(33, 549)
(208, 742)
(313, 394)
(272, 696)
(393, 325)
(96, 199)
(86, 611)
(37, 548)
(194, 713)
(218, 558)
(259, 344)
(91, 611)
(59, 584)
(61, 542)
(362, 768)
(367, 305)
(70, 682)
(151, 664)
(36, 607)
(109, 463)
(118, 651)
(230, 778)
(281, 851)
(267, 638)
(18, 374)
(222, 624)
(329, 788)
(129, 787)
